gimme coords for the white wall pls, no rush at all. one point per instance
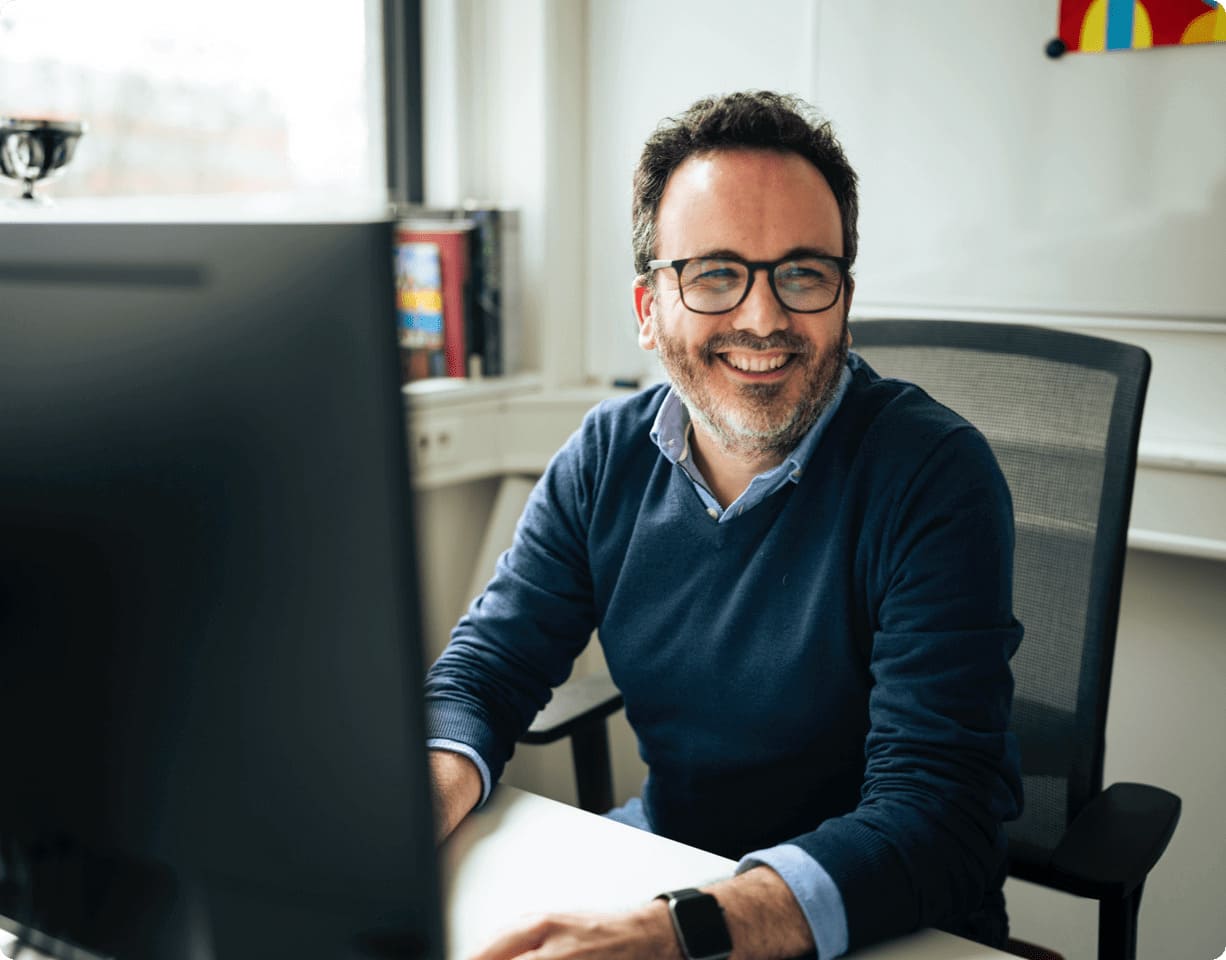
(995, 177)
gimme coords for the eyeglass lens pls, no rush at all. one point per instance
(712, 285)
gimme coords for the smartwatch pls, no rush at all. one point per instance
(698, 920)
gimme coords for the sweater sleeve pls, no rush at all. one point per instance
(519, 639)
(926, 840)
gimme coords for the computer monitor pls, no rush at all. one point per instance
(210, 663)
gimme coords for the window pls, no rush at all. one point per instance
(232, 96)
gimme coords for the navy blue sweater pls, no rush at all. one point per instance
(830, 669)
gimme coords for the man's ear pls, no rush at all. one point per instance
(644, 312)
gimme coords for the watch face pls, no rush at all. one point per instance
(702, 923)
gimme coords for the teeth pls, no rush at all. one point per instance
(756, 363)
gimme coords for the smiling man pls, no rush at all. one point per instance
(800, 572)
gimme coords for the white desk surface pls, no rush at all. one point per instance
(523, 854)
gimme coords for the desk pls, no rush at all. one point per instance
(524, 854)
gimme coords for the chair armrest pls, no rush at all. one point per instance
(1108, 851)
(577, 703)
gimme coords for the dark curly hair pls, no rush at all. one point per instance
(751, 119)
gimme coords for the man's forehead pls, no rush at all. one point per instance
(747, 200)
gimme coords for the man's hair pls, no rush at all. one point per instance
(755, 120)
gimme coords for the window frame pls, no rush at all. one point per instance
(402, 96)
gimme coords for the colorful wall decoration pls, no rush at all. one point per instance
(1090, 26)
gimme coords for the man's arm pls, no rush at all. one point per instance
(764, 923)
(519, 638)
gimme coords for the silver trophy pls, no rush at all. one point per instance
(33, 150)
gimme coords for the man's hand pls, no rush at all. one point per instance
(456, 784)
(646, 932)
(764, 921)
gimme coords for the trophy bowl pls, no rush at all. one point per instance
(33, 149)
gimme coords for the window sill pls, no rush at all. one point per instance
(461, 431)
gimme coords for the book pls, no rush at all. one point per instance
(419, 309)
(496, 286)
(493, 303)
(453, 239)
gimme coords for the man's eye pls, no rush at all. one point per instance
(804, 274)
(713, 274)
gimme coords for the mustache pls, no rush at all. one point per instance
(744, 340)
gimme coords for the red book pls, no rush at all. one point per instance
(453, 239)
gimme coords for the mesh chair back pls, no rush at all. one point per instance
(1062, 413)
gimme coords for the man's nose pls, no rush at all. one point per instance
(761, 313)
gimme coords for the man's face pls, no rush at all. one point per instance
(754, 379)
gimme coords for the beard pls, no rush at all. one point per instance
(754, 419)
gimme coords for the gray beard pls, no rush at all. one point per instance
(746, 428)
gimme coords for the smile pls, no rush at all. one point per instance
(755, 362)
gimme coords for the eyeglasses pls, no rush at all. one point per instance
(804, 284)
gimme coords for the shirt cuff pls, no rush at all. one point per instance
(454, 746)
(817, 894)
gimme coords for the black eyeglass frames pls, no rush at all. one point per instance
(809, 283)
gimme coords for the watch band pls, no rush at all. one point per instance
(698, 921)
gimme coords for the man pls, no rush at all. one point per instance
(800, 572)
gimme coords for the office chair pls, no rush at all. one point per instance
(1062, 413)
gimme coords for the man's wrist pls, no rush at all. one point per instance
(456, 784)
(658, 931)
(699, 924)
(764, 919)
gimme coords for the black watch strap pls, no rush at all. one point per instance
(698, 920)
